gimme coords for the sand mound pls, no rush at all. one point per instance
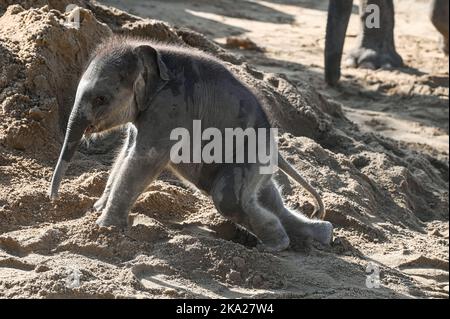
(383, 198)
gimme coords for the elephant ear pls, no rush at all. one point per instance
(153, 75)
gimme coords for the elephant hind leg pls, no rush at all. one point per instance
(298, 226)
(235, 196)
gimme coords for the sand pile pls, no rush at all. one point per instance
(389, 204)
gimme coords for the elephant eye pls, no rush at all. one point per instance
(99, 101)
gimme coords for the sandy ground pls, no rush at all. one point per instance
(178, 246)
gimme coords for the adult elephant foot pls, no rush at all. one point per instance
(374, 57)
(376, 45)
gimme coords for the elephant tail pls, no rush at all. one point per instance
(292, 172)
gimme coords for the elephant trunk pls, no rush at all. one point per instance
(75, 130)
(339, 12)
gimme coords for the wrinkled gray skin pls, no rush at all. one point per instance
(152, 89)
(376, 47)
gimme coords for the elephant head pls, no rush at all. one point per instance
(114, 88)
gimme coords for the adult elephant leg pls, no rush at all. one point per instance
(376, 45)
(235, 195)
(298, 226)
(339, 12)
(440, 19)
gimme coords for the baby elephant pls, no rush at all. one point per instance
(154, 89)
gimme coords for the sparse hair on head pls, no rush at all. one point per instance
(117, 45)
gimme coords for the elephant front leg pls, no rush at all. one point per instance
(135, 174)
(376, 45)
(100, 204)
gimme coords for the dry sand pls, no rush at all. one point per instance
(376, 149)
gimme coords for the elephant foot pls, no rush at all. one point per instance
(322, 231)
(274, 245)
(273, 237)
(107, 220)
(368, 58)
(301, 229)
